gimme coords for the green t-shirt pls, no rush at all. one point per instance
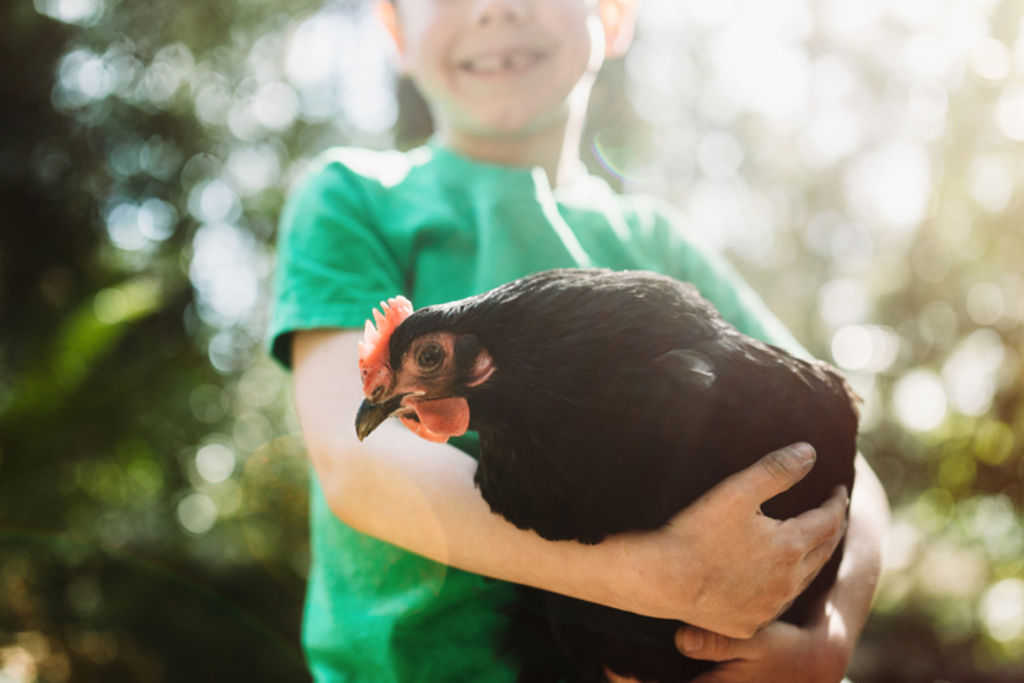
(436, 226)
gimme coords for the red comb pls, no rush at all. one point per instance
(373, 349)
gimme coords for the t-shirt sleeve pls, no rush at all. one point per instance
(332, 264)
(684, 258)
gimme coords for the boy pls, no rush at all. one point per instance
(400, 535)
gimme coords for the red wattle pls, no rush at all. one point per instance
(439, 419)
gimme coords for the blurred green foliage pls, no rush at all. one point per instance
(861, 166)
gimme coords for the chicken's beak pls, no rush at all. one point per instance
(371, 415)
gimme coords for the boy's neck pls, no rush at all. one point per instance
(554, 149)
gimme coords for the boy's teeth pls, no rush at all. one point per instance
(489, 64)
(514, 61)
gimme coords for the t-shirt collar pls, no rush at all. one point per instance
(467, 168)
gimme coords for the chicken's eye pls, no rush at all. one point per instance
(430, 357)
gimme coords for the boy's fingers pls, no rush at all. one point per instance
(714, 647)
(769, 476)
(824, 528)
(826, 523)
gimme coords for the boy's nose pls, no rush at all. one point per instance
(499, 11)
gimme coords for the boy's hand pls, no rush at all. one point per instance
(744, 568)
(822, 649)
(778, 653)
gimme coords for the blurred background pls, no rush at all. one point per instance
(862, 163)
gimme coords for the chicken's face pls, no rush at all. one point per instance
(422, 379)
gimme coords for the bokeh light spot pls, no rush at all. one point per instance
(171, 68)
(254, 168)
(902, 543)
(82, 77)
(970, 372)
(81, 12)
(126, 301)
(891, 185)
(339, 64)
(1010, 113)
(991, 181)
(215, 462)
(197, 513)
(276, 106)
(223, 271)
(992, 520)
(843, 301)
(1002, 609)
(990, 59)
(946, 569)
(719, 154)
(920, 400)
(985, 303)
(214, 201)
(865, 348)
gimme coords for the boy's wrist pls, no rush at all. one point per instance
(642, 577)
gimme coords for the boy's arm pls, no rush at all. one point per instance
(821, 651)
(719, 564)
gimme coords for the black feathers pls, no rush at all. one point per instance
(619, 398)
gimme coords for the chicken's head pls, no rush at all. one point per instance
(417, 373)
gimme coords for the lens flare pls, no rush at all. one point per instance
(617, 154)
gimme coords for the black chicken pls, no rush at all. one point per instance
(605, 402)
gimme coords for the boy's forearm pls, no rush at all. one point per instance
(421, 497)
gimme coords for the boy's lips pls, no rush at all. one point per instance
(503, 62)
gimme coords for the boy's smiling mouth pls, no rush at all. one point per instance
(495, 63)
